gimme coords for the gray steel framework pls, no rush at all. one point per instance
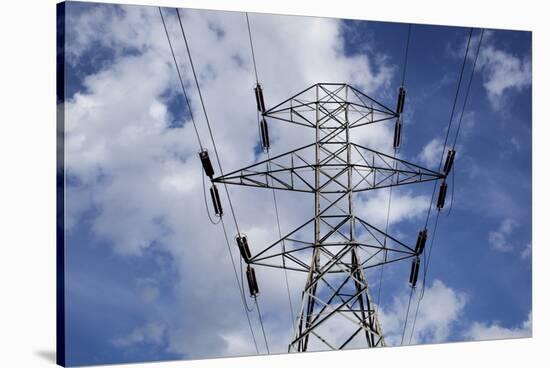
(335, 246)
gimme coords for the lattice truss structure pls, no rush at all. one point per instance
(335, 247)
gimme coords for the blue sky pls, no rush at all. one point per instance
(145, 269)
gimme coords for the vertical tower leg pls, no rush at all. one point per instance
(325, 296)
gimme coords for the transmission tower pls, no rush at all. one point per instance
(336, 246)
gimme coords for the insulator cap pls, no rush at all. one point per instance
(415, 266)
(252, 283)
(206, 163)
(421, 241)
(442, 195)
(400, 101)
(265, 133)
(242, 243)
(259, 98)
(449, 162)
(397, 134)
(216, 200)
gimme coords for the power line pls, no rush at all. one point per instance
(450, 120)
(283, 245)
(426, 264)
(261, 323)
(217, 158)
(406, 54)
(243, 299)
(462, 114)
(427, 260)
(269, 168)
(386, 231)
(180, 79)
(241, 290)
(251, 46)
(469, 86)
(405, 63)
(460, 121)
(189, 109)
(255, 69)
(407, 315)
(395, 151)
(452, 191)
(206, 118)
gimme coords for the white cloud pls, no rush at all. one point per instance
(151, 333)
(404, 206)
(145, 180)
(441, 308)
(431, 153)
(527, 252)
(503, 72)
(148, 289)
(492, 331)
(500, 239)
(515, 143)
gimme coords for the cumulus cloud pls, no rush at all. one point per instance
(492, 331)
(503, 72)
(500, 239)
(150, 333)
(440, 311)
(526, 252)
(515, 143)
(143, 178)
(148, 289)
(431, 153)
(405, 206)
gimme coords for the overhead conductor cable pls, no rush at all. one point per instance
(213, 191)
(449, 163)
(396, 145)
(219, 162)
(264, 136)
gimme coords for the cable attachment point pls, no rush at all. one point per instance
(415, 266)
(242, 243)
(400, 100)
(442, 195)
(397, 134)
(421, 241)
(449, 162)
(259, 98)
(216, 200)
(206, 163)
(252, 283)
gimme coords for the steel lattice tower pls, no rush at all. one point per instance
(336, 246)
